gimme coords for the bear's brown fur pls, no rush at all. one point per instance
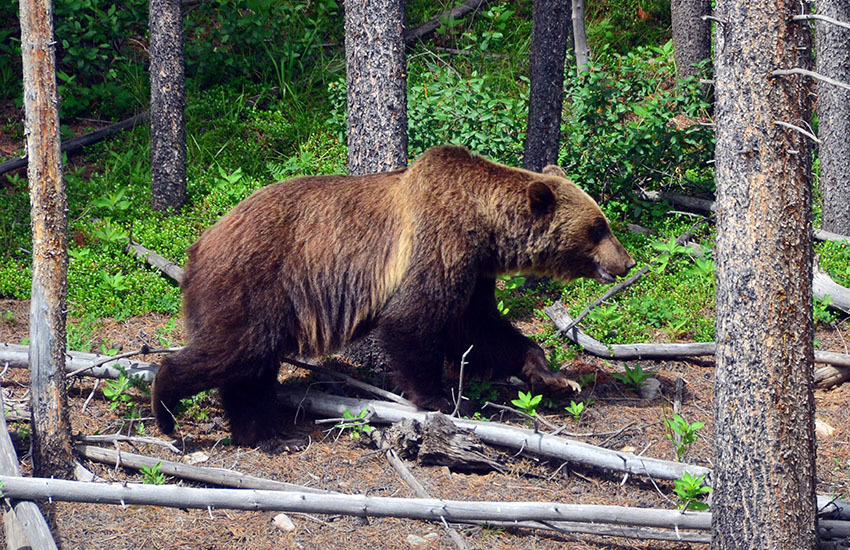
(303, 267)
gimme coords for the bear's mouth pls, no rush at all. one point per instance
(604, 275)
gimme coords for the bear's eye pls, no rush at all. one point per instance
(597, 231)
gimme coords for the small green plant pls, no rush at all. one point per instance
(110, 233)
(10, 317)
(112, 202)
(195, 406)
(587, 379)
(511, 284)
(527, 403)
(576, 409)
(690, 489)
(633, 376)
(687, 433)
(821, 312)
(117, 390)
(115, 283)
(152, 475)
(607, 319)
(355, 424)
(481, 391)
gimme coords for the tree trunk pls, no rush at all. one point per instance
(52, 455)
(168, 102)
(691, 35)
(833, 60)
(763, 406)
(549, 31)
(376, 80)
(580, 36)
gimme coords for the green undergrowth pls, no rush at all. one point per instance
(264, 105)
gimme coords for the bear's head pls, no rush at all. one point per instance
(573, 236)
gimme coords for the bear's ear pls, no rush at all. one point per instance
(541, 199)
(554, 170)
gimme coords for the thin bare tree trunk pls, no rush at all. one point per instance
(580, 36)
(764, 440)
(833, 60)
(168, 102)
(376, 81)
(549, 31)
(52, 455)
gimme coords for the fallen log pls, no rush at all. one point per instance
(215, 476)
(363, 506)
(496, 433)
(166, 266)
(81, 141)
(25, 526)
(17, 356)
(557, 312)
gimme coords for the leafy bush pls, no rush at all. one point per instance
(627, 127)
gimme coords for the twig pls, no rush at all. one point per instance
(806, 133)
(374, 390)
(460, 382)
(811, 74)
(534, 419)
(818, 17)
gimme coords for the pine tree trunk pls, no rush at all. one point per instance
(833, 60)
(764, 493)
(549, 31)
(52, 455)
(691, 35)
(376, 80)
(168, 102)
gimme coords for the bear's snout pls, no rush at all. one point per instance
(612, 261)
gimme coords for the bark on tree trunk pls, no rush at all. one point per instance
(691, 35)
(52, 455)
(833, 60)
(763, 407)
(168, 102)
(549, 31)
(376, 80)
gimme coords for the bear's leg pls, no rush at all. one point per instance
(250, 403)
(182, 374)
(416, 356)
(498, 347)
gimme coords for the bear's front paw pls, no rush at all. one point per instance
(537, 374)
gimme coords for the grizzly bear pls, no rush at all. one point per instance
(303, 267)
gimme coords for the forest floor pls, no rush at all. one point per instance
(317, 456)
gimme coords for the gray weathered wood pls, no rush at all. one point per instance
(17, 356)
(496, 433)
(691, 34)
(561, 318)
(166, 266)
(580, 36)
(215, 476)
(51, 427)
(457, 12)
(25, 526)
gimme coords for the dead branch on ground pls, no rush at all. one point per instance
(22, 520)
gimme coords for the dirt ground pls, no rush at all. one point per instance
(324, 458)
